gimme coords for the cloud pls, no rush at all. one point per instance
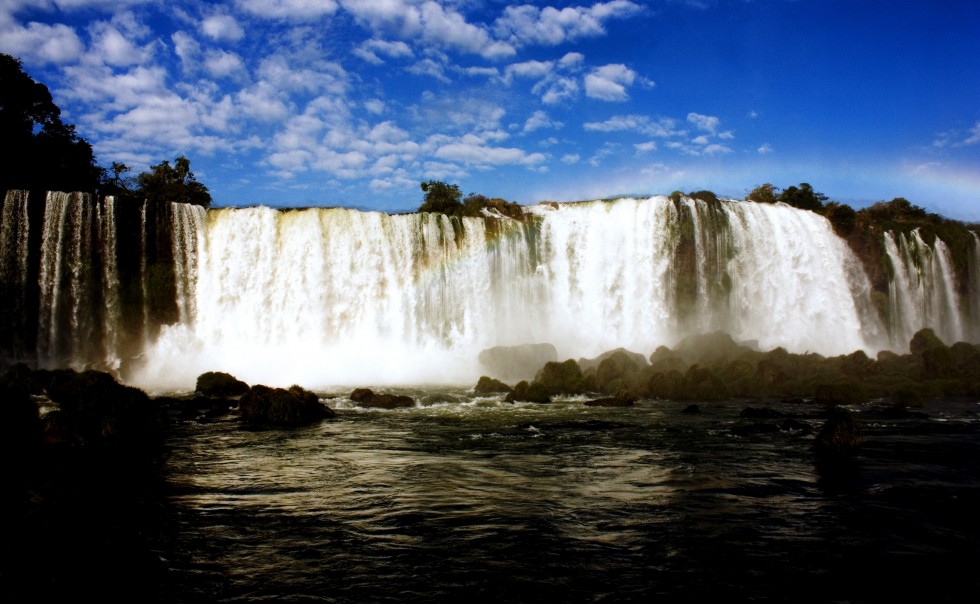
(429, 67)
(526, 24)
(765, 149)
(974, 135)
(645, 147)
(539, 120)
(111, 46)
(370, 50)
(471, 151)
(571, 158)
(663, 127)
(375, 106)
(556, 90)
(223, 64)
(430, 22)
(528, 69)
(300, 10)
(609, 82)
(707, 123)
(42, 43)
(222, 28)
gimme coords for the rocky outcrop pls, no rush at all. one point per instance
(368, 399)
(488, 385)
(218, 383)
(263, 405)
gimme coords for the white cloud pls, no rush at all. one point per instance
(974, 135)
(528, 69)
(375, 106)
(571, 158)
(472, 151)
(370, 50)
(765, 149)
(429, 67)
(42, 43)
(222, 28)
(555, 90)
(717, 149)
(539, 120)
(111, 46)
(288, 9)
(662, 127)
(645, 147)
(223, 64)
(708, 123)
(700, 140)
(526, 24)
(609, 82)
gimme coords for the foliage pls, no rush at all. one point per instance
(842, 217)
(441, 197)
(45, 153)
(803, 197)
(707, 196)
(166, 183)
(764, 193)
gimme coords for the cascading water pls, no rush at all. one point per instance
(331, 297)
(922, 289)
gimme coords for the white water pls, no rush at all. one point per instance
(336, 297)
(340, 297)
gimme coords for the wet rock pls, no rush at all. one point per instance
(840, 435)
(532, 392)
(263, 405)
(691, 410)
(488, 385)
(368, 399)
(760, 413)
(217, 383)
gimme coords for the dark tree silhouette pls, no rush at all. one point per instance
(165, 183)
(43, 153)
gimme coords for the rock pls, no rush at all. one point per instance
(368, 399)
(438, 399)
(760, 413)
(525, 392)
(840, 434)
(20, 423)
(756, 428)
(637, 359)
(217, 383)
(516, 362)
(611, 401)
(691, 410)
(841, 393)
(95, 410)
(488, 385)
(561, 378)
(263, 405)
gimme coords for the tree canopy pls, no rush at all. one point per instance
(440, 197)
(44, 152)
(165, 183)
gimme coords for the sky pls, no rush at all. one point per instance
(293, 103)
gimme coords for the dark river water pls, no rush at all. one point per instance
(486, 501)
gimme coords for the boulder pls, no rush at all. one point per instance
(488, 385)
(218, 383)
(263, 405)
(760, 413)
(561, 378)
(514, 363)
(691, 410)
(840, 434)
(525, 392)
(368, 399)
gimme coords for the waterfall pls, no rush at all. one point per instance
(922, 291)
(337, 297)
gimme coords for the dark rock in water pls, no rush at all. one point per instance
(488, 385)
(20, 423)
(368, 399)
(532, 392)
(516, 362)
(691, 410)
(840, 434)
(895, 412)
(760, 413)
(561, 378)
(95, 410)
(756, 428)
(611, 401)
(793, 425)
(217, 383)
(623, 398)
(793, 401)
(280, 407)
(621, 355)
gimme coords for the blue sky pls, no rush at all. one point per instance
(354, 102)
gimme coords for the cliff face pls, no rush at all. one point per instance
(159, 293)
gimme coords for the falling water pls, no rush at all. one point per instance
(326, 297)
(922, 289)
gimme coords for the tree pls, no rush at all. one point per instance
(804, 198)
(44, 153)
(440, 197)
(166, 183)
(764, 193)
